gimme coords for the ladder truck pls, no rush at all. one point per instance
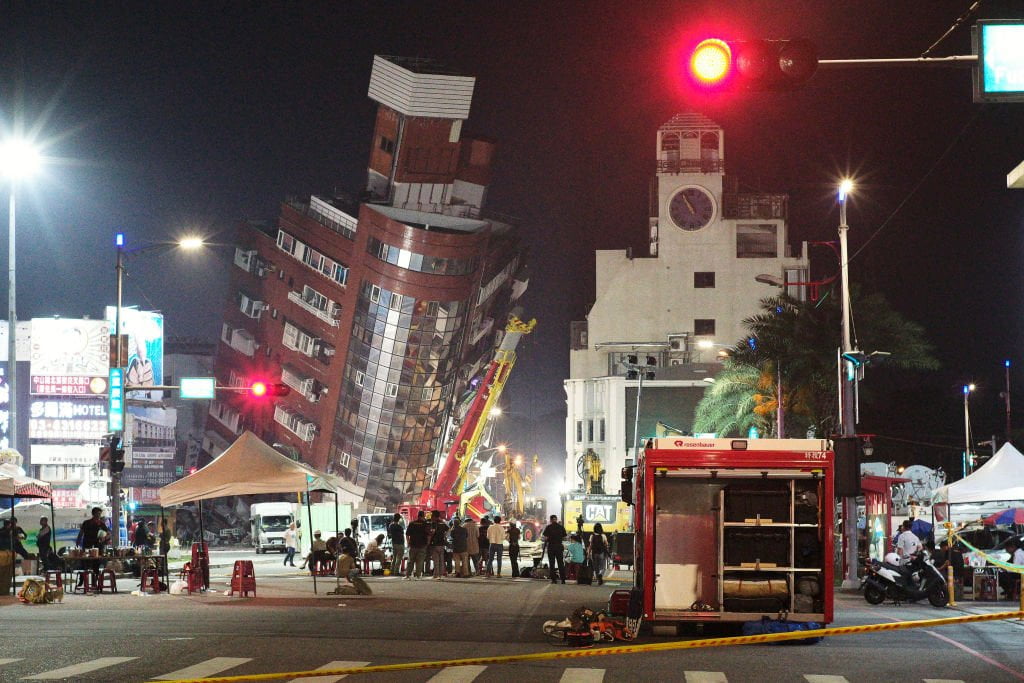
(448, 492)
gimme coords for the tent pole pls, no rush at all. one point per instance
(53, 529)
(202, 555)
(10, 544)
(309, 518)
(337, 529)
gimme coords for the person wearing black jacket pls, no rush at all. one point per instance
(417, 534)
(396, 532)
(436, 544)
(485, 545)
(554, 534)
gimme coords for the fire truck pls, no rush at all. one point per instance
(452, 492)
(732, 530)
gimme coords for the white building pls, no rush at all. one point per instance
(708, 242)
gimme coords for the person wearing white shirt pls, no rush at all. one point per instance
(907, 543)
(1010, 581)
(496, 538)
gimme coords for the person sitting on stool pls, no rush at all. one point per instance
(318, 553)
(1010, 581)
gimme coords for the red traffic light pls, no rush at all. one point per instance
(711, 61)
(752, 64)
(259, 389)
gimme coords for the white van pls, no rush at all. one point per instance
(268, 523)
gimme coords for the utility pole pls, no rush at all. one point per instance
(1006, 397)
(847, 393)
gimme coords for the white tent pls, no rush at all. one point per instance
(1001, 478)
(14, 483)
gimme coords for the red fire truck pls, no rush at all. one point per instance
(733, 529)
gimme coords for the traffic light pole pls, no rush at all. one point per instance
(847, 400)
(115, 477)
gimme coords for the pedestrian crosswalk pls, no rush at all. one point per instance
(109, 666)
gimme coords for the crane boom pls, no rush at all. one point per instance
(451, 479)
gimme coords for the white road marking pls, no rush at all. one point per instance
(824, 678)
(705, 677)
(78, 669)
(457, 674)
(204, 669)
(326, 667)
(581, 675)
(10, 661)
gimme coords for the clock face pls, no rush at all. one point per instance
(691, 208)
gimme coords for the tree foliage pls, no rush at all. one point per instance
(799, 342)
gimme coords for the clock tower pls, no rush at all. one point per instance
(687, 206)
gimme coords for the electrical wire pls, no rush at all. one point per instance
(912, 442)
(956, 24)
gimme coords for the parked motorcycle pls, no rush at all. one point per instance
(907, 583)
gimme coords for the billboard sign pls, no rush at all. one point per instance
(145, 364)
(115, 400)
(67, 419)
(69, 356)
(152, 445)
(81, 456)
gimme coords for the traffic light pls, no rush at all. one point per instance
(626, 487)
(717, 64)
(260, 389)
(116, 454)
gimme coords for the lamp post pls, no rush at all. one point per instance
(19, 160)
(847, 378)
(1006, 397)
(968, 388)
(187, 243)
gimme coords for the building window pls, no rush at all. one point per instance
(756, 240)
(704, 280)
(590, 430)
(600, 430)
(359, 378)
(285, 242)
(374, 294)
(387, 145)
(345, 459)
(579, 431)
(704, 327)
(391, 390)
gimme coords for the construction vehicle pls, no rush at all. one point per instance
(590, 505)
(448, 492)
(519, 505)
(733, 529)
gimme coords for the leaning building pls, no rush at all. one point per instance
(378, 312)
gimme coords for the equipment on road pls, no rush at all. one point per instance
(910, 582)
(733, 529)
(585, 626)
(269, 521)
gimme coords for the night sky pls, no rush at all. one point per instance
(164, 117)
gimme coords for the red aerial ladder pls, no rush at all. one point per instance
(446, 494)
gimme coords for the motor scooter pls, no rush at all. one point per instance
(905, 583)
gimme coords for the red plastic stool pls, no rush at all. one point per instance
(53, 578)
(243, 578)
(107, 580)
(85, 581)
(150, 580)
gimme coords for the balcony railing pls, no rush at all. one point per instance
(326, 316)
(691, 166)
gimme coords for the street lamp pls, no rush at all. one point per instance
(19, 159)
(187, 243)
(968, 388)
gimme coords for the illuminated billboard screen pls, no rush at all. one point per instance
(999, 76)
(67, 419)
(145, 363)
(69, 357)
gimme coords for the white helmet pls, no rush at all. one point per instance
(892, 558)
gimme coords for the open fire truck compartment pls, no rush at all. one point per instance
(734, 529)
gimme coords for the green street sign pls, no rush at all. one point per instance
(198, 387)
(115, 400)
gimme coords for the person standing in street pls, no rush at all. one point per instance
(554, 537)
(289, 545)
(438, 541)
(485, 545)
(416, 536)
(94, 532)
(496, 543)
(460, 549)
(396, 532)
(513, 535)
(473, 544)
(44, 537)
(597, 549)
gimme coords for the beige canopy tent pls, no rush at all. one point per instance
(249, 466)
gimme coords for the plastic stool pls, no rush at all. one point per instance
(107, 579)
(54, 578)
(84, 580)
(150, 580)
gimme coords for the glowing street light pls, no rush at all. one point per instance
(19, 160)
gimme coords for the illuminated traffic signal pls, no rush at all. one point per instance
(260, 389)
(116, 454)
(716, 64)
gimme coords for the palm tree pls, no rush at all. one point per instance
(798, 341)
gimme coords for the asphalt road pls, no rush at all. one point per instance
(286, 628)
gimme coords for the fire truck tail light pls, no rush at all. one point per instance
(739, 445)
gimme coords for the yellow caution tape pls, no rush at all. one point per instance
(614, 650)
(1007, 566)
